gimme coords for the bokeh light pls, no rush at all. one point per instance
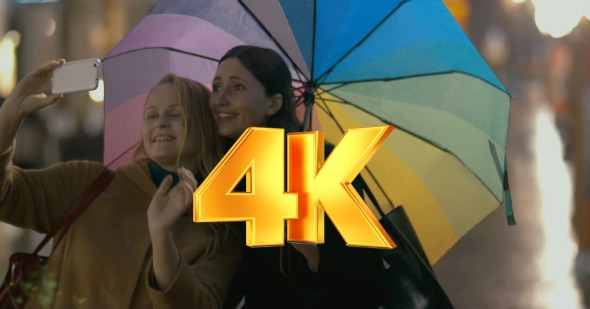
(558, 18)
(51, 25)
(8, 45)
(97, 95)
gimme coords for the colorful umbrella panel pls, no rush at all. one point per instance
(368, 63)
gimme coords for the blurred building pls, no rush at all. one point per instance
(32, 32)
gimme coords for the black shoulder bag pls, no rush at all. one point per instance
(410, 282)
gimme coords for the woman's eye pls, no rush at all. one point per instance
(215, 88)
(151, 116)
(175, 115)
(239, 87)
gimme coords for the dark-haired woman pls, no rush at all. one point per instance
(252, 87)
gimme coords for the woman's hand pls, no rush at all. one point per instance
(28, 95)
(168, 205)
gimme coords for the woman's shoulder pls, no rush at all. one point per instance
(82, 164)
(71, 169)
(140, 166)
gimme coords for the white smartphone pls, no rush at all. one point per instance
(76, 76)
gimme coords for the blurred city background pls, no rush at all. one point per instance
(539, 49)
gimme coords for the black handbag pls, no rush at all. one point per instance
(410, 282)
(25, 268)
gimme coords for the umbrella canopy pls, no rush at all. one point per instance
(368, 63)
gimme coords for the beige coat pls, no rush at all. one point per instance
(105, 258)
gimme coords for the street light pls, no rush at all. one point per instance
(558, 18)
(8, 45)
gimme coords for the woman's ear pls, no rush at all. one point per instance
(276, 102)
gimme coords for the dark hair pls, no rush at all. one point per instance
(269, 68)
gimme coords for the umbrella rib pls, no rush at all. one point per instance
(340, 84)
(329, 70)
(329, 100)
(331, 115)
(300, 88)
(335, 87)
(163, 47)
(395, 125)
(299, 77)
(297, 99)
(279, 46)
(325, 108)
(320, 91)
(336, 101)
(329, 112)
(122, 154)
(380, 188)
(300, 80)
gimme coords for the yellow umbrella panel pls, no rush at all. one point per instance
(441, 196)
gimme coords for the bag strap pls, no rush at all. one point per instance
(411, 241)
(79, 206)
(370, 195)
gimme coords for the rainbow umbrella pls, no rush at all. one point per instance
(355, 63)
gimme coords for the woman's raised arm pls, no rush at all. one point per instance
(26, 98)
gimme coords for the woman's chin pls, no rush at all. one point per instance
(230, 132)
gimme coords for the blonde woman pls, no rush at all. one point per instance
(136, 245)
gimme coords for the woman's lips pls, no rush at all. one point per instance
(226, 116)
(163, 139)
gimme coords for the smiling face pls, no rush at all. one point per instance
(239, 100)
(164, 128)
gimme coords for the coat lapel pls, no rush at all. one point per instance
(138, 174)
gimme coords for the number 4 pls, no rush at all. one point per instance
(314, 187)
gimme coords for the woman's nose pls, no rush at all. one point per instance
(163, 122)
(221, 98)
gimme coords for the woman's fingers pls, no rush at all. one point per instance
(164, 186)
(179, 200)
(175, 201)
(48, 67)
(38, 101)
(37, 81)
(185, 192)
(190, 192)
(188, 176)
(53, 98)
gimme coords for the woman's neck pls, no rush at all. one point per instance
(173, 168)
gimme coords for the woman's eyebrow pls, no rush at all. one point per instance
(167, 107)
(236, 77)
(231, 77)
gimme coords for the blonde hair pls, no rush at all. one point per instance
(193, 98)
